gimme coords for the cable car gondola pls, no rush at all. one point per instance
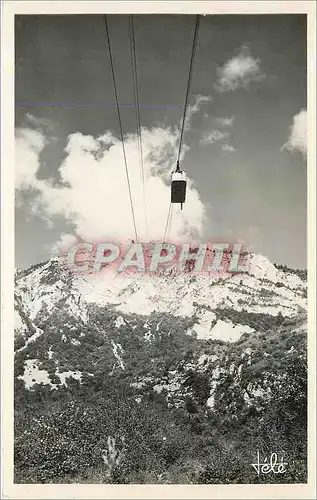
(178, 191)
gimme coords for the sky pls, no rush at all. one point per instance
(244, 148)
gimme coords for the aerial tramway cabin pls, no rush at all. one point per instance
(178, 190)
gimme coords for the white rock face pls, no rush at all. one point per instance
(119, 322)
(34, 375)
(228, 332)
(48, 290)
(118, 351)
(264, 289)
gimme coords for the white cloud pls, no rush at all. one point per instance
(66, 241)
(225, 121)
(214, 136)
(195, 107)
(38, 122)
(27, 163)
(238, 72)
(94, 192)
(228, 148)
(298, 133)
(218, 134)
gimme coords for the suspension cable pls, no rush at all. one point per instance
(167, 222)
(137, 107)
(120, 124)
(191, 65)
(170, 222)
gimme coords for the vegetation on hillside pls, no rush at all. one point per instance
(116, 426)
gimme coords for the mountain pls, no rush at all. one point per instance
(180, 369)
